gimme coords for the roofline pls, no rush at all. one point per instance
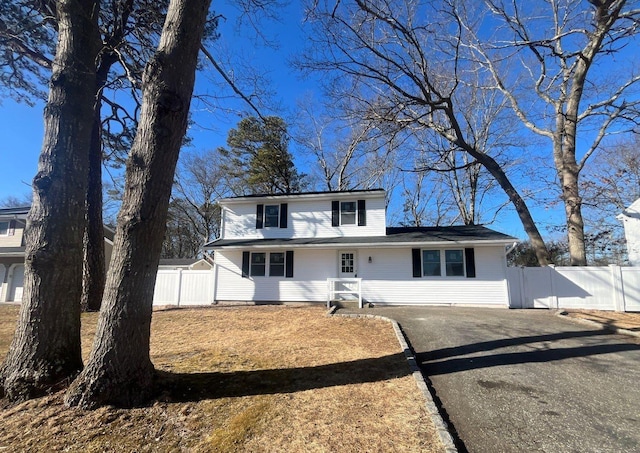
(421, 244)
(366, 193)
(19, 212)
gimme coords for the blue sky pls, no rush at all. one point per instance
(21, 126)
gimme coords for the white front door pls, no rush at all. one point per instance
(347, 264)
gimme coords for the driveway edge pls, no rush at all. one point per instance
(588, 322)
(441, 427)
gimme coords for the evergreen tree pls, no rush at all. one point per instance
(258, 158)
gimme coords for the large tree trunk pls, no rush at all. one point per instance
(45, 351)
(93, 272)
(119, 370)
(539, 247)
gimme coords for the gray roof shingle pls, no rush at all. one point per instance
(399, 235)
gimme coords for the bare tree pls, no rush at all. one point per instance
(119, 370)
(394, 60)
(194, 213)
(45, 351)
(610, 183)
(569, 71)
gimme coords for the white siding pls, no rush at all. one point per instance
(306, 218)
(310, 272)
(386, 280)
(631, 224)
(15, 239)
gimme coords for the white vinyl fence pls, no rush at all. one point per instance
(181, 287)
(597, 288)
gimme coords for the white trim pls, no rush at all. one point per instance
(315, 196)
(353, 274)
(3, 273)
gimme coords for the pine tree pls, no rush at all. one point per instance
(258, 158)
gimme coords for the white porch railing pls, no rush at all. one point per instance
(344, 289)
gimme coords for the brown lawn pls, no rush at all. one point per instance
(258, 379)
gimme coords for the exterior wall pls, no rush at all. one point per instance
(307, 218)
(14, 240)
(311, 269)
(632, 235)
(386, 280)
(11, 286)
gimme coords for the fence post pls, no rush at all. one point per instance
(523, 282)
(179, 287)
(555, 303)
(619, 303)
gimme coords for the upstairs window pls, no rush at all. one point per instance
(4, 228)
(271, 216)
(348, 213)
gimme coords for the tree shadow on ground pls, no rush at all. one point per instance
(185, 387)
(448, 360)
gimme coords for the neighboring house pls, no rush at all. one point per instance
(12, 248)
(289, 248)
(630, 218)
(187, 264)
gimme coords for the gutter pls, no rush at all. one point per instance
(361, 245)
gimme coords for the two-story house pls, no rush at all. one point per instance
(314, 247)
(12, 249)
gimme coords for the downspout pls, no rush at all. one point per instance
(510, 249)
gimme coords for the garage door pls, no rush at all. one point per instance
(17, 282)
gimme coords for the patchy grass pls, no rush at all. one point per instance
(260, 379)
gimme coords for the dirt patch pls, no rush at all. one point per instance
(244, 379)
(629, 321)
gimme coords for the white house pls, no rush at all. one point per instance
(12, 249)
(322, 246)
(630, 218)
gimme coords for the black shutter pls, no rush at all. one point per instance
(335, 213)
(470, 261)
(245, 264)
(288, 263)
(362, 213)
(283, 215)
(417, 263)
(259, 216)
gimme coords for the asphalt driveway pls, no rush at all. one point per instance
(526, 380)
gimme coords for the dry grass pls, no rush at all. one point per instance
(629, 321)
(259, 379)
